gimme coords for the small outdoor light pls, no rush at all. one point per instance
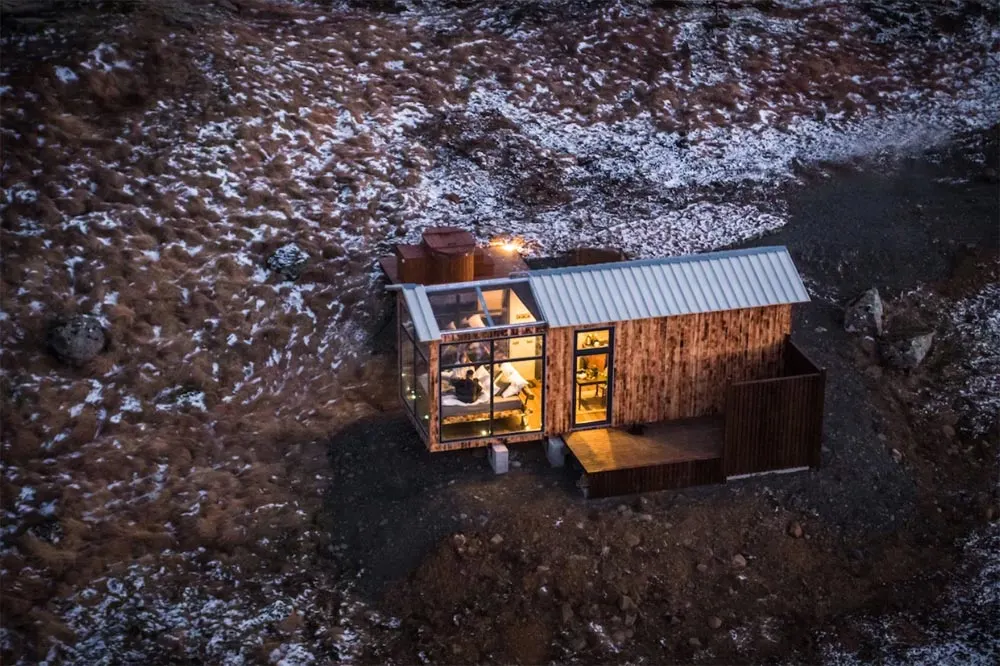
(508, 243)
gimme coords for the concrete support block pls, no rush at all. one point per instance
(555, 451)
(499, 460)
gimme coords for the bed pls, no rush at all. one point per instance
(454, 410)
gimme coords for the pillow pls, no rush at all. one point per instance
(517, 384)
(475, 321)
(482, 375)
(499, 386)
(506, 369)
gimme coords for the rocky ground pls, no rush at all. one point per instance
(210, 185)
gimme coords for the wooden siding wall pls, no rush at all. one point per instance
(672, 367)
(559, 372)
(774, 424)
(681, 367)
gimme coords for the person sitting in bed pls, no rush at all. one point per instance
(467, 390)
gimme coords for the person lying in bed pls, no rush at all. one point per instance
(467, 390)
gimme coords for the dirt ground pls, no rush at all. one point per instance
(564, 581)
(231, 480)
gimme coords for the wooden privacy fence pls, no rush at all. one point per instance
(774, 424)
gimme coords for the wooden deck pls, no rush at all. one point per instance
(672, 454)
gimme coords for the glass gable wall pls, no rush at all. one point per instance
(492, 387)
(414, 376)
(490, 384)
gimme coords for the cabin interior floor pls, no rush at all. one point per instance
(667, 442)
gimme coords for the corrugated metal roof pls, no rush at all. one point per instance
(424, 325)
(620, 291)
(601, 293)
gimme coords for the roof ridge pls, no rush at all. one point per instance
(654, 261)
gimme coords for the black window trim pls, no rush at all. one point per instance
(491, 363)
(610, 351)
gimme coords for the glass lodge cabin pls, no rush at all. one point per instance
(590, 348)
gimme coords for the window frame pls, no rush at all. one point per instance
(407, 338)
(609, 350)
(490, 363)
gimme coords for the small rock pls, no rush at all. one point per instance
(991, 513)
(702, 567)
(78, 339)
(694, 642)
(626, 603)
(739, 561)
(868, 345)
(630, 619)
(865, 313)
(897, 455)
(567, 613)
(714, 622)
(288, 261)
(820, 329)
(622, 509)
(578, 644)
(948, 431)
(646, 517)
(641, 503)
(496, 540)
(632, 540)
(515, 463)
(458, 541)
(795, 530)
(618, 636)
(907, 352)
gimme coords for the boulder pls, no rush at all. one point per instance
(865, 314)
(78, 339)
(288, 260)
(906, 352)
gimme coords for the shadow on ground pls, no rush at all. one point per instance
(390, 501)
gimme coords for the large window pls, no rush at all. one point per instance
(414, 378)
(592, 378)
(492, 387)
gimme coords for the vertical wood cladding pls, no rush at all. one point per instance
(654, 477)
(559, 373)
(681, 367)
(776, 424)
(672, 367)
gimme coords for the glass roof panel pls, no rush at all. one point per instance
(484, 306)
